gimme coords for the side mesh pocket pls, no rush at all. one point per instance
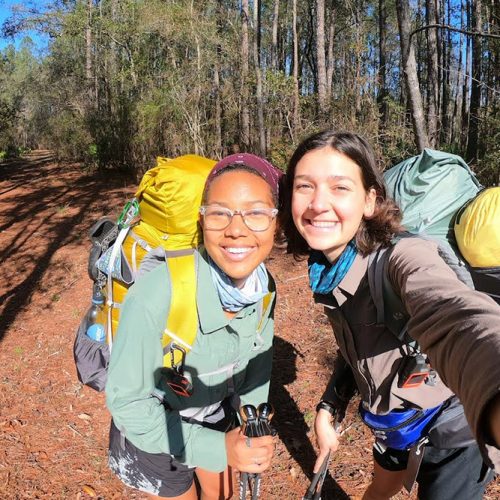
(102, 234)
(91, 359)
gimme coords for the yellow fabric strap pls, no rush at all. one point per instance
(266, 302)
(182, 322)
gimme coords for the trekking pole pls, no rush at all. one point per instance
(314, 490)
(248, 415)
(265, 412)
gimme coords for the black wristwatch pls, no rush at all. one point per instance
(329, 407)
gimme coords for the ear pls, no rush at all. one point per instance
(370, 199)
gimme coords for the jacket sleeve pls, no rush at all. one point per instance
(255, 388)
(457, 327)
(133, 375)
(341, 387)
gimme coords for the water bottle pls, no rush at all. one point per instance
(95, 317)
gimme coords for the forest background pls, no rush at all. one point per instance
(120, 82)
(123, 81)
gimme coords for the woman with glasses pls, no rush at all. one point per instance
(161, 447)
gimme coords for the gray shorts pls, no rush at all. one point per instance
(154, 473)
(158, 474)
(455, 474)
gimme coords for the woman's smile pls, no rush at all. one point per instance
(237, 254)
(322, 224)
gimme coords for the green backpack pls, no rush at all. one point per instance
(430, 189)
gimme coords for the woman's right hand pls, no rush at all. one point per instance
(326, 436)
(255, 458)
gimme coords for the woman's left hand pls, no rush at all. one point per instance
(248, 454)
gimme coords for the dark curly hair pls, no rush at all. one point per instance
(373, 232)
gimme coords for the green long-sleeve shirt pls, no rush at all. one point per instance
(227, 356)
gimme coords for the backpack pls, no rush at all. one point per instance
(433, 191)
(162, 215)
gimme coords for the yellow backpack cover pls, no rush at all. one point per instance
(477, 230)
(163, 213)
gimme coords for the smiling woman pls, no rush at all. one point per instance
(329, 202)
(159, 439)
(237, 201)
(336, 212)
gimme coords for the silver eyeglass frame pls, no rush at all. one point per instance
(270, 212)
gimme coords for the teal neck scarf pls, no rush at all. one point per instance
(323, 276)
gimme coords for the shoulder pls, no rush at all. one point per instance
(415, 265)
(152, 289)
(414, 253)
(412, 246)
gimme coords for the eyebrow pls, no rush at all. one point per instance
(330, 177)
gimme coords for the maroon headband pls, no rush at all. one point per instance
(268, 172)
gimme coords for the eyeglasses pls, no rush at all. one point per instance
(256, 219)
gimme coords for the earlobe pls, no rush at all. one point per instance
(370, 200)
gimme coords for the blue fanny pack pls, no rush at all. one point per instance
(400, 430)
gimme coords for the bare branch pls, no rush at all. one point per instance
(452, 28)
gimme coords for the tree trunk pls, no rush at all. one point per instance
(321, 57)
(409, 65)
(382, 68)
(258, 78)
(358, 59)
(475, 92)
(274, 39)
(330, 62)
(432, 73)
(88, 46)
(296, 99)
(245, 111)
(465, 87)
(217, 88)
(455, 123)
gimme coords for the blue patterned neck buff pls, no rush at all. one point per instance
(323, 276)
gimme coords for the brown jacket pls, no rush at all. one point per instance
(458, 328)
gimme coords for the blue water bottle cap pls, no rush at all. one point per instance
(96, 332)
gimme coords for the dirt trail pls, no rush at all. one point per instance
(53, 431)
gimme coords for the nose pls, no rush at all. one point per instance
(319, 201)
(237, 226)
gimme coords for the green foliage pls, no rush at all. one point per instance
(488, 167)
(68, 136)
(125, 81)
(395, 141)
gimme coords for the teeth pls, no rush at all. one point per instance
(320, 223)
(237, 250)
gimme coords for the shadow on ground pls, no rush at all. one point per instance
(289, 420)
(38, 209)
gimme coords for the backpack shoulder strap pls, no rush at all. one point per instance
(390, 308)
(182, 320)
